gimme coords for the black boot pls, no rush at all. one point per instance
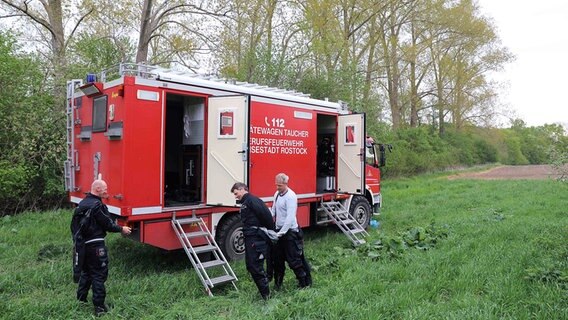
(278, 280)
(264, 292)
(100, 310)
(304, 282)
(309, 280)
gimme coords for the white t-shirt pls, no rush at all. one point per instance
(284, 208)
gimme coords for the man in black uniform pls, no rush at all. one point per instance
(94, 270)
(255, 215)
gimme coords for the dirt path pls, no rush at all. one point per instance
(511, 172)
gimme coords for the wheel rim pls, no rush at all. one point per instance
(238, 241)
(360, 215)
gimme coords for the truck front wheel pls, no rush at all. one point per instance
(360, 209)
(230, 237)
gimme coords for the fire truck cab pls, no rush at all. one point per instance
(171, 145)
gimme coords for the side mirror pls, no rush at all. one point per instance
(382, 153)
(382, 156)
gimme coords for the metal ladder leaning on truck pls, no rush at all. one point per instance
(171, 145)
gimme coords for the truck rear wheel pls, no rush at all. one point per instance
(360, 209)
(230, 237)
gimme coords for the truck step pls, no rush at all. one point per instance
(212, 263)
(206, 248)
(196, 234)
(222, 279)
(188, 220)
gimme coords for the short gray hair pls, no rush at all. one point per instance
(282, 178)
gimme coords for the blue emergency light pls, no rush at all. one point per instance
(91, 77)
(91, 87)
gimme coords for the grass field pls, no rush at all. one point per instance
(459, 249)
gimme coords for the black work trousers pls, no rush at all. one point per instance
(257, 250)
(290, 248)
(94, 273)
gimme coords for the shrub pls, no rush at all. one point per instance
(514, 154)
(14, 180)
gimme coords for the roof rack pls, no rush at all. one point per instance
(155, 72)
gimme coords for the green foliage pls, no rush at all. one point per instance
(414, 237)
(534, 145)
(484, 151)
(413, 151)
(14, 181)
(418, 150)
(514, 153)
(470, 148)
(320, 87)
(31, 132)
(549, 276)
(93, 53)
(559, 158)
(553, 270)
(425, 238)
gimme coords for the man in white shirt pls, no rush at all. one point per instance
(290, 246)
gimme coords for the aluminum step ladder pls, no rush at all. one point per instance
(218, 265)
(71, 164)
(345, 221)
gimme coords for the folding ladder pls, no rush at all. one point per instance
(345, 221)
(218, 264)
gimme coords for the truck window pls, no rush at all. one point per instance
(99, 113)
(370, 154)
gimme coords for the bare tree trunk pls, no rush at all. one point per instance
(145, 32)
(394, 80)
(369, 72)
(414, 100)
(440, 103)
(55, 16)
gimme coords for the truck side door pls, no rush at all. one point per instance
(350, 155)
(227, 154)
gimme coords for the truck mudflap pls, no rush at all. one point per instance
(377, 204)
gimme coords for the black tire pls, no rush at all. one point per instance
(360, 209)
(230, 237)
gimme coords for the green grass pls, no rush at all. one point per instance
(504, 255)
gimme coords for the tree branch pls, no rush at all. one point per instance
(25, 10)
(76, 26)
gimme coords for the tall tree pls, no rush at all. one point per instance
(464, 50)
(415, 55)
(255, 40)
(174, 31)
(51, 17)
(391, 22)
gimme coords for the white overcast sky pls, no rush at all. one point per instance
(536, 32)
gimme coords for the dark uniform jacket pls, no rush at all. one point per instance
(101, 222)
(254, 214)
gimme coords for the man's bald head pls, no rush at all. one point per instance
(99, 188)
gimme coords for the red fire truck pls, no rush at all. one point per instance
(170, 145)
